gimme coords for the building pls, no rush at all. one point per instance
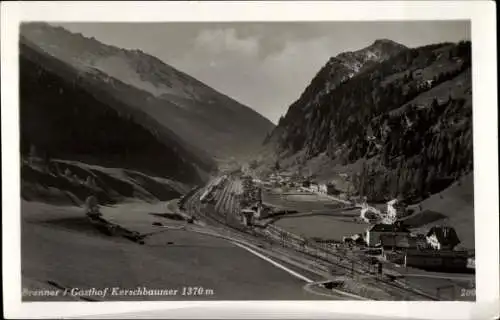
(396, 241)
(313, 187)
(396, 257)
(332, 189)
(247, 216)
(322, 188)
(471, 263)
(437, 260)
(442, 238)
(391, 234)
(395, 210)
(356, 239)
(257, 210)
(419, 241)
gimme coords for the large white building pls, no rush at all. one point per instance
(323, 188)
(395, 210)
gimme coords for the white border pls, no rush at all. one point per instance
(482, 16)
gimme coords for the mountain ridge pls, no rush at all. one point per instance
(67, 118)
(414, 100)
(190, 108)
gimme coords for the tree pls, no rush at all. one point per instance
(277, 166)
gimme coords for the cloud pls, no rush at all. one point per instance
(226, 40)
(250, 69)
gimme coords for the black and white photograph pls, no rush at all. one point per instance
(247, 160)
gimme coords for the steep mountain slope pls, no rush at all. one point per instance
(337, 71)
(202, 116)
(68, 117)
(62, 182)
(408, 118)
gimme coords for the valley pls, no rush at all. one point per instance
(350, 196)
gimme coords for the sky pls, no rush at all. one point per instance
(264, 65)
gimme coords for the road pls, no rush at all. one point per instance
(61, 250)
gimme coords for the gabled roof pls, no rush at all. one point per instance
(381, 227)
(445, 235)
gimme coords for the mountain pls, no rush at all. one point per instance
(66, 116)
(200, 115)
(398, 120)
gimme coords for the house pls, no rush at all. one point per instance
(331, 189)
(442, 238)
(313, 187)
(471, 262)
(391, 234)
(258, 211)
(395, 241)
(322, 188)
(396, 257)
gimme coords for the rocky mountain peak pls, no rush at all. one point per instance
(404, 112)
(340, 69)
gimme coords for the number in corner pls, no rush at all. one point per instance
(464, 292)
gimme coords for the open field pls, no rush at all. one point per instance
(455, 207)
(300, 202)
(317, 215)
(321, 226)
(61, 249)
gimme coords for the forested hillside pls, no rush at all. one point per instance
(408, 118)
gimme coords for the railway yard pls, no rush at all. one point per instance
(232, 237)
(304, 233)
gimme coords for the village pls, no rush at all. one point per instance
(387, 237)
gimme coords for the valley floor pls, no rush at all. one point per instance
(62, 250)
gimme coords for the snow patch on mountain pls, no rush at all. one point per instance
(120, 69)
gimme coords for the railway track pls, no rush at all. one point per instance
(223, 218)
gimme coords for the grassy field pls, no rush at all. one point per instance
(321, 226)
(329, 223)
(300, 202)
(59, 246)
(455, 206)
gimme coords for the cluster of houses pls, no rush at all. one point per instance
(313, 187)
(434, 249)
(397, 244)
(293, 181)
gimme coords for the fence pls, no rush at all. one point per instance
(330, 252)
(357, 266)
